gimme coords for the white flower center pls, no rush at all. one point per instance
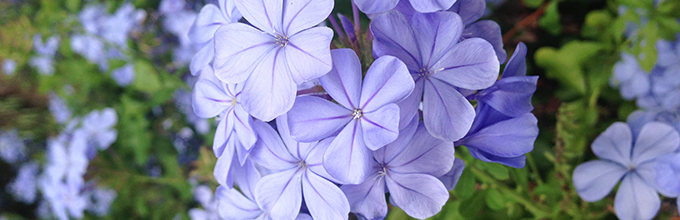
(357, 113)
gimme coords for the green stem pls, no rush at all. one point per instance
(534, 169)
(538, 210)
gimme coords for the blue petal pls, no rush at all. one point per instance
(469, 10)
(323, 198)
(593, 180)
(419, 195)
(451, 178)
(280, 194)
(368, 198)
(655, 139)
(517, 65)
(636, 200)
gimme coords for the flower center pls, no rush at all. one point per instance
(357, 113)
(281, 40)
(234, 102)
(382, 170)
(425, 72)
(302, 164)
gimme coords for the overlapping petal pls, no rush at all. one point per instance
(313, 118)
(435, 33)
(419, 195)
(323, 198)
(302, 14)
(636, 200)
(469, 10)
(368, 198)
(471, 64)
(269, 92)
(379, 126)
(266, 15)
(269, 151)
(593, 180)
(614, 144)
(347, 158)
(387, 81)
(447, 114)
(374, 7)
(655, 139)
(233, 205)
(393, 36)
(451, 178)
(343, 82)
(491, 32)
(427, 6)
(237, 57)
(280, 194)
(424, 154)
(307, 53)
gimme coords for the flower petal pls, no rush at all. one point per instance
(471, 64)
(451, 178)
(428, 6)
(390, 151)
(408, 108)
(379, 126)
(489, 31)
(667, 169)
(233, 205)
(239, 50)
(655, 139)
(280, 194)
(636, 200)
(517, 64)
(313, 118)
(223, 169)
(419, 195)
(469, 10)
(206, 24)
(202, 58)
(375, 7)
(243, 126)
(323, 198)
(424, 154)
(447, 114)
(593, 180)
(343, 82)
(435, 33)
(225, 129)
(303, 14)
(347, 159)
(269, 151)
(263, 14)
(368, 198)
(387, 81)
(511, 96)
(308, 54)
(209, 99)
(516, 162)
(270, 91)
(394, 36)
(614, 144)
(508, 138)
(246, 178)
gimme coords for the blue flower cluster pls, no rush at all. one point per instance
(45, 51)
(104, 38)
(642, 154)
(61, 181)
(658, 89)
(366, 126)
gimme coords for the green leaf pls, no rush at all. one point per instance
(146, 78)
(494, 199)
(648, 53)
(73, 5)
(566, 64)
(533, 3)
(498, 171)
(471, 207)
(466, 185)
(550, 21)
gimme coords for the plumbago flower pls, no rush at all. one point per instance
(99, 127)
(504, 129)
(440, 65)
(630, 158)
(296, 171)
(44, 61)
(423, 6)
(364, 115)
(203, 31)
(235, 135)
(470, 11)
(24, 188)
(204, 195)
(282, 50)
(408, 168)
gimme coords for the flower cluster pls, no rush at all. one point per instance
(61, 182)
(383, 115)
(45, 51)
(105, 37)
(658, 89)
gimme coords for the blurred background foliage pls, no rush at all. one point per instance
(573, 45)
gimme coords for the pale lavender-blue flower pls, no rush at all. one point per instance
(102, 198)
(296, 172)
(99, 125)
(24, 187)
(64, 197)
(440, 64)
(235, 135)
(280, 51)
(408, 169)
(630, 159)
(9, 66)
(67, 156)
(204, 195)
(124, 75)
(364, 118)
(203, 31)
(12, 147)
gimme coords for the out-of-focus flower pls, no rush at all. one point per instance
(99, 127)
(630, 159)
(9, 66)
(102, 198)
(124, 75)
(12, 147)
(24, 188)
